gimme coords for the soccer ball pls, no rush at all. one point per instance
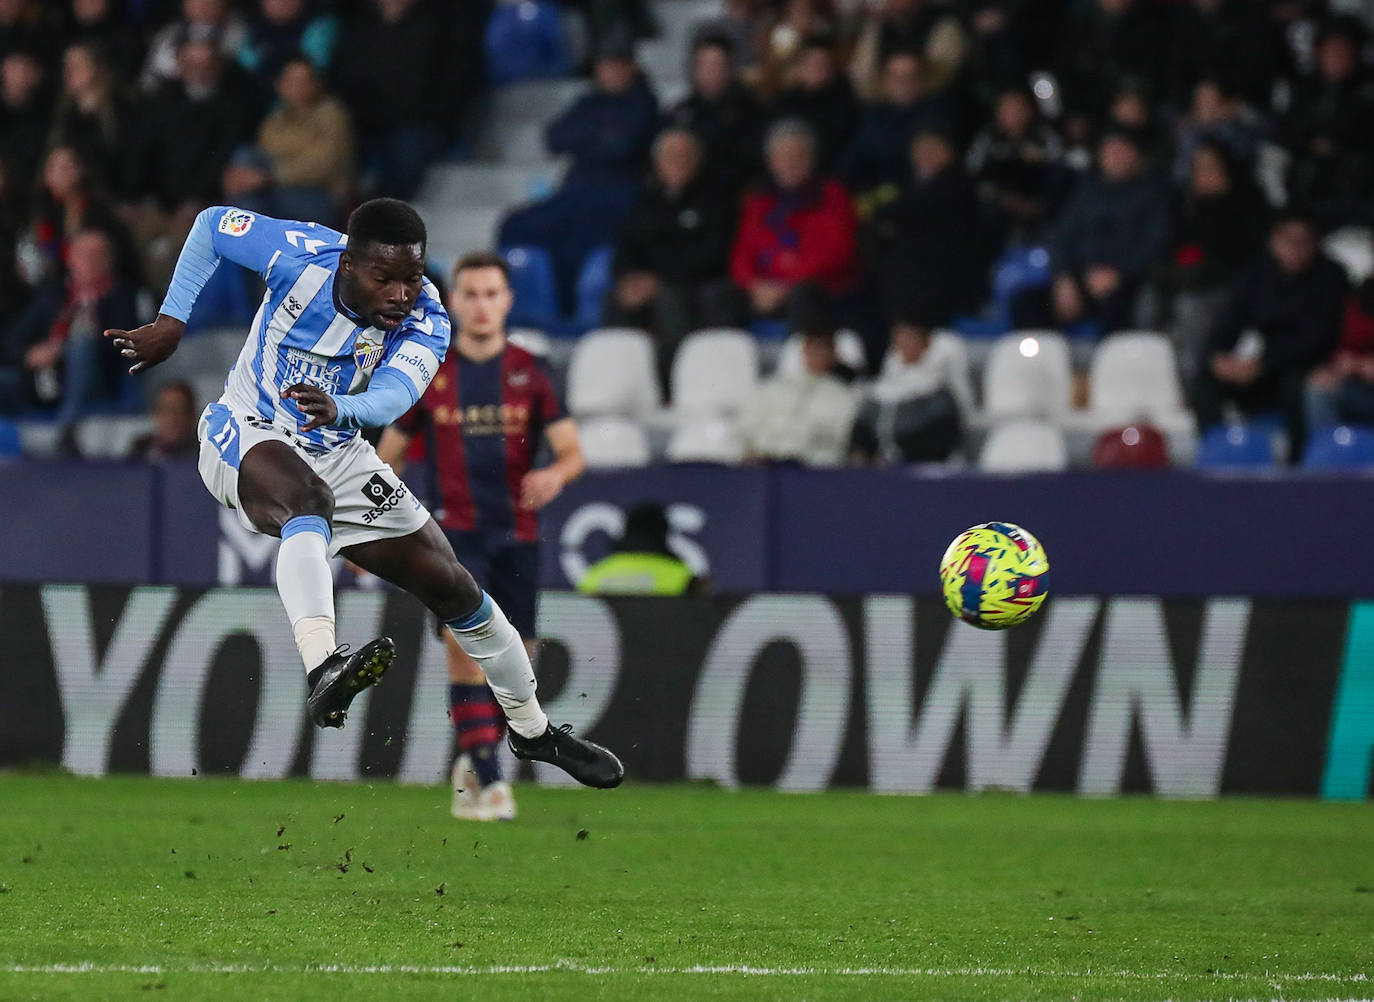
(995, 575)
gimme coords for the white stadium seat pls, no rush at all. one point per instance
(706, 440)
(535, 342)
(1028, 374)
(1135, 377)
(1353, 249)
(611, 442)
(715, 372)
(1024, 446)
(613, 372)
(848, 346)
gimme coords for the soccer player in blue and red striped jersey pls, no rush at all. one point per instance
(482, 420)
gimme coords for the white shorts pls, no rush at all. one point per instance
(370, 501)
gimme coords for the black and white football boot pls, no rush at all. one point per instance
(343, 676)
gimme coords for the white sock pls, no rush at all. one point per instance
(314, 639)
(306, 586)
(488, 638)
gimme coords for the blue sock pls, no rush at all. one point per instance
(481, 724)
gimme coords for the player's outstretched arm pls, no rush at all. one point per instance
(150, 344)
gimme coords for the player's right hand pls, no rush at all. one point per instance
(150, 344)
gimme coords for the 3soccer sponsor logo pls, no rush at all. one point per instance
(383, 495)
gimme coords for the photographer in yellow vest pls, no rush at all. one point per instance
(641, 562)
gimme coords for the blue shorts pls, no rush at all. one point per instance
(508, 572)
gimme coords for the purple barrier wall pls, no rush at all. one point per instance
(1179, 534)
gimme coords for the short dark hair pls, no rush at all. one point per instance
(482, 259)
(714, 40)
(1295, 214)
(385, 221)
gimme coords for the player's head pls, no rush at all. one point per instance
(481, 297)
(382, 269)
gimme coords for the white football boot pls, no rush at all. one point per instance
(471, 802)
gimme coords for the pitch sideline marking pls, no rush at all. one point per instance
(569, 967)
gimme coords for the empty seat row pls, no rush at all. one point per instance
(617, 442)
(1134, 376)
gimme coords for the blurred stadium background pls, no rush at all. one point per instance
(1098, 267)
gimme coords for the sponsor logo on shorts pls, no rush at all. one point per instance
(236, 223)
(383, 496)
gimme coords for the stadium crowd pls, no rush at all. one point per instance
(892, 167)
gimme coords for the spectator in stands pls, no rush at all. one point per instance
(1341, 390)
(283, 30)
(1106, 44)
(1132, 108)
(612, 17)
(107, 24)
(915, 411)
(805, 416)
(799, 227)
(928, 244)
(26, 26)
(820, 95)
(923, 26)
(302, 167)
(69, 201)
(723, 113)
(14, 292)
(641, 561)
(403, 119)
(1283, 318)
(193, 124)
(1016, 161)
(1227, 39)
(65, 352)
(673, 256)
(997, 50)
(1328, 129)
(743, 24)
(877, 164)
(1220, 218)
(25, 113)
(94, 119)
(1111, 234)
(174, 426)
(212, 21)
(1219, 116)
(607, 132)
(784, 40)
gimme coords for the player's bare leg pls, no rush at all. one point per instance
(480, 792)
(423, 564)
(283, 497)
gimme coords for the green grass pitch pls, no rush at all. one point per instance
(137, 888)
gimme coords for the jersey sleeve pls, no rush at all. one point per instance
(423, 343)
(548, 405)
(247, 238)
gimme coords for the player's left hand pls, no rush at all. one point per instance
(314, 403)
(540, 487)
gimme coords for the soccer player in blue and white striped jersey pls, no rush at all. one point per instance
(348, 336)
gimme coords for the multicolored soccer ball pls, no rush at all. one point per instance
(995, 576)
